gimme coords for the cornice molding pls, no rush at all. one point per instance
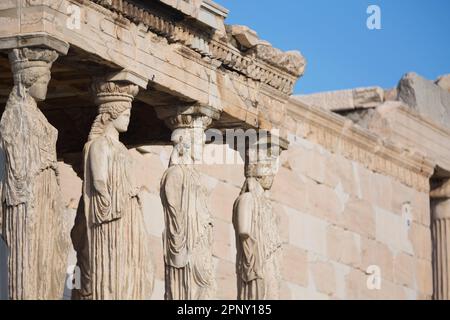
(339, 135)
(211, 45)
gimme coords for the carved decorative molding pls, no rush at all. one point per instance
(263, 63)
(339, 135)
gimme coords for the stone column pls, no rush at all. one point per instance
(440, 228)
(189, 273)
(109, 235)
(32, 214)
(257, 236)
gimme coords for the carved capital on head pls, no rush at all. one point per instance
(29, 64)
(262, 155)
(105, 92)
(188, 116)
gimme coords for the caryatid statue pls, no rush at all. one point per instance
(112, 243)
(440, 229)
(187, 236)
(258, 242)
(32, 214)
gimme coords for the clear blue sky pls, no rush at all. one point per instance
(341, 51)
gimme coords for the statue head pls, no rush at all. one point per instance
(188, 137)
(31, 69)
(263, 172)
(262, 161)
(114, 100)
(188, 145)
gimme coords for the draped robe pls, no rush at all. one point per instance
(187, 237)
(119, 256)
(258, 256)
(32, 214)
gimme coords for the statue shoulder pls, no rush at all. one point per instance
(100, 144)
(174, 173)
(245, 199)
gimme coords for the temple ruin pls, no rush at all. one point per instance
(108, 109)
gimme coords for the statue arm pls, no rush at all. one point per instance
(98, 163)
(243, 216)
(176, 233)
(248, 249)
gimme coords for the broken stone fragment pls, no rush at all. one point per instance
(245, 36)
(342, 100)
(367, 97)
(425, 97)
(444, 82)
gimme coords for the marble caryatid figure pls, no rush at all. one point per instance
(257, 239)
(115, 242)
(187, 237)
(32, 213)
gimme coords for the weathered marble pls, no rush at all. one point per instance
(258, 240)
(109, 236)
(32, 221)
(188, 233)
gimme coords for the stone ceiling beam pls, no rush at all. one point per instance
(172, 50)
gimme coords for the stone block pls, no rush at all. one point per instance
(71, 186)
(374, 253)
(302, 293)
(335, 100)
(343, 246)
(341, 272)
(342, 100)
(359, 217)
(323, 277)
(371, 97)
(425, 97)
(245, 36)
(420, 237)
(295, 265)
(444, 82)
(392, 291)
(222, 199)
(157, 253)
(282, 221)
(148, 170)
(226, 280)
(285, 186)
(340, 169)
(392, 230)
(233, 174)
(153, 213)
(381, 191)
(224, 246)
(324, 202)
(420, 204)
(405, 270)
(309, 163)
(307, 232)
(424, 276)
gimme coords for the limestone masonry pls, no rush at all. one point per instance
(121, 177)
